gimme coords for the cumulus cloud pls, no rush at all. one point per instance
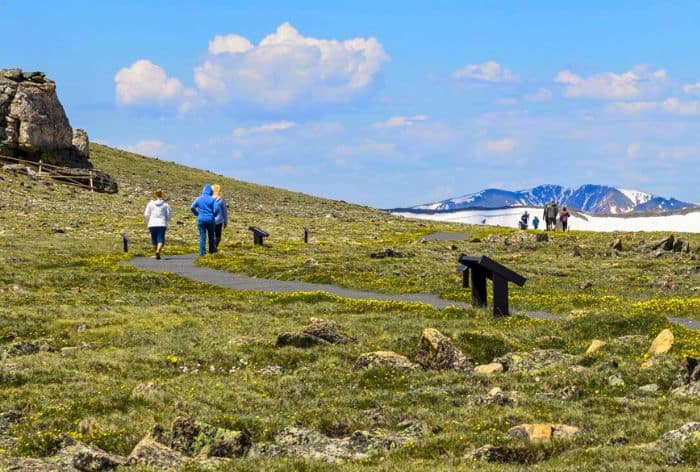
(149, 147)
(489, 71)
(265, 128)
(541, 95)
(145, 83)
(229, 44)
(609, 85)
(400, 121)
(288, 71)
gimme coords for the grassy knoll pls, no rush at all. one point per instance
(211, 352)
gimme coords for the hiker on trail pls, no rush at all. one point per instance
(564, 218)
(524, 220)
(535, 222)
(206, 208)
(221, 219)
(550, 215)
(157, 215)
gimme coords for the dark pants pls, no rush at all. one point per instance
(206, 231)
(219, 227)
(157, 234)
(564, 225)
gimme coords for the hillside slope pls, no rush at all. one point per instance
(100, 352)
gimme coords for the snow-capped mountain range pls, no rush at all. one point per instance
(597, 199)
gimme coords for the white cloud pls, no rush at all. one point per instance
(229, 44)
(678, 153)
(489, 71)
(672, 106)
(400, 121)
(610, 85)
(265, 128)
(149, 147)
(288, 71)
(366, 148)
(498, 146)
(146, 83)
(541, 95)
(678, 107)
(692, 88)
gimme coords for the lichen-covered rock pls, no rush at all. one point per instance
(33, 123)
(194, 438)
(496, 396)
(507, 454)
(310, 444)
(536, 360)
(687, 381)
(662, 344)
(384, 359)
(687, 432)
(152, 453)
(543, 432)
(327, 330)
(492, 368)
(299, 340)
(437, 351)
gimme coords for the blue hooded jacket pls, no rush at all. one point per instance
(205, 207)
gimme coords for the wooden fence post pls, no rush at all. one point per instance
(92, 189)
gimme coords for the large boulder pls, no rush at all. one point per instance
(437, 351)
(33, 123)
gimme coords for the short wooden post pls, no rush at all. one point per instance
(306, 234)
(479, 294)
(92, 189)
(500, 296)
(125, 240)
(40, 162)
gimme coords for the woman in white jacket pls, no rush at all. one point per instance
(157, 214)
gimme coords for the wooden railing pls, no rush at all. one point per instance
(64, 175)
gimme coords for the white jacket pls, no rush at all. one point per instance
(157, 213)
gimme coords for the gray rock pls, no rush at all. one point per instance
(384, 359)
(152, 453)
(437, 351)
(194, 438)
(81, 143)
(649, 389)
(536, 360)
(687, 432)
(33, 123)
(299, 340)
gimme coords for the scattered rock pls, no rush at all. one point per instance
(496, 396)
(194, 438)
(327, 330)
(615, 380)
(92, 459)
(507, 454)
(299, 340)
(384, 359)
(662, 344)
(387, 253)
(596, 344)
(585, 285)
(489, 369)
(8, 418)
(649, 389)
(687, 382)
(687, 432)
(146, 391)
(536, 360)
(152, 453)
(437, 351)
(308, 443)
(617, 440)
(543, 432)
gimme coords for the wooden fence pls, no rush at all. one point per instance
(84, 178)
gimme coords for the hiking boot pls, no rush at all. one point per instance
(158, 255)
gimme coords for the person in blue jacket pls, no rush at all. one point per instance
(206, 209)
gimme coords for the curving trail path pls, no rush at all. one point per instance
(184, 266)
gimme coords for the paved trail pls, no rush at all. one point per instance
(184, 266)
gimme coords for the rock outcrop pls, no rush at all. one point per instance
(437, 351)
(33, 123)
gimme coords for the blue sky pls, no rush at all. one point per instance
(382, 103)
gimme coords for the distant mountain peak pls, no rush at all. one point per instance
(591, 198)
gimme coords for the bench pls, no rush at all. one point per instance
(482, 268)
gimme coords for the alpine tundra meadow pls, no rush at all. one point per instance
(331, 321)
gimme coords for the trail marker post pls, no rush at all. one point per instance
(259, 235)
(482, 268)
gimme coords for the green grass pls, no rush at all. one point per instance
(210, 349)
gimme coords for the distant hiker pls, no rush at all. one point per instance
(221, 220)
(157, 214)
(206, 208)
(524, 220)
(564, 218)
(535, 222)
(550, 215)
